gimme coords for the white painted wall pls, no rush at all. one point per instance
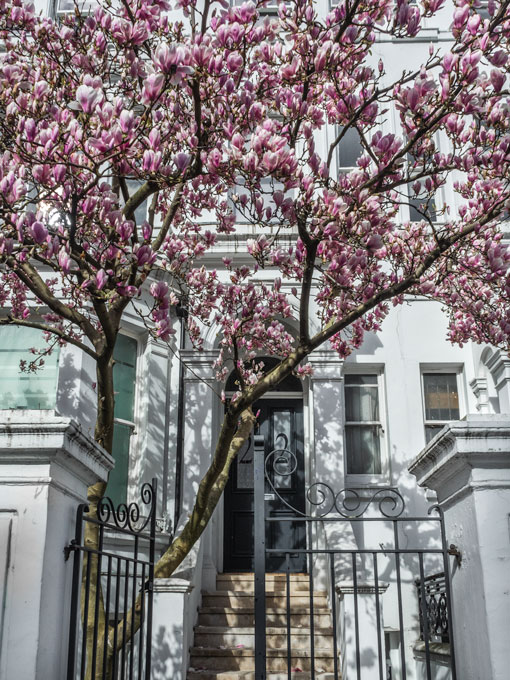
(46, 464)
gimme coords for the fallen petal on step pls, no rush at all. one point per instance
(297, 670)
(240, 646)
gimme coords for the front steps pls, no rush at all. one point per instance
(224, 637)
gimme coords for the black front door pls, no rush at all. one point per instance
(280, 421)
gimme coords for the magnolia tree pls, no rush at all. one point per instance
(213, 114)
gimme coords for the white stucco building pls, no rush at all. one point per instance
(360, 423)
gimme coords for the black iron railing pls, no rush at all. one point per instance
(110, 632)
(435, 627)
(351, 574)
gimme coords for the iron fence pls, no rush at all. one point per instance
(433, 608)
(112, 590)
(355, 579)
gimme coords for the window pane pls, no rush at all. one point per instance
(417, 207)
(349, 149)
(354, 379)
(245, 465)
(141, 212)
(124, 381)
(26, 390)
(118, 479)
(124, 377)
(283, 463)
(441, 396)
(361, 398)
(363, 450)
(69, 5)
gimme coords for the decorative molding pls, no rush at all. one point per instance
(499, 367)
(35, 438)
(199, 364)
(480, 389)
(327, 365)
(172, 585)
(446, 464)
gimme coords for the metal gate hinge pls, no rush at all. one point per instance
(455, 552)
(69, 549)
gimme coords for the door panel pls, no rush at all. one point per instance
(280, 421)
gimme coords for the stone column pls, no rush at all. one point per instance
(468, 465)
(46, 465)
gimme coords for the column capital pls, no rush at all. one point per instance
(327, 365)
(465, 455)
(480, 389)
(499, 366)
(172, 585)
(200, 364)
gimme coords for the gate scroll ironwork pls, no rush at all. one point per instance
(361, 569)
(113, 585)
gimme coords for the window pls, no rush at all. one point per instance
(62, 7)
(349, 150)
(363, 427)
(141, 212)
(26, 390)
(270, 9)
(421, 204)
(124, 380)
(440, 400)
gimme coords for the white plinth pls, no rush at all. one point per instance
(468, 465)
(46, 465)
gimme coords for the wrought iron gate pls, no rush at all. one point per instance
(112, 590)
(376, 564)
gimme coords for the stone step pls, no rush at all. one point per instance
(270, 576)
(273, 587)
(194, 674)
(274, 582)
(211, 658)
(228, 616)
(276, 637)
(240, 600)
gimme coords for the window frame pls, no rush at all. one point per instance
(346, 169)
(359, 480)
(54, 359)
(134, 425)
(56, 13)
(445, 369)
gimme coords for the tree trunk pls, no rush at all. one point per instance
(209, 492)
(104, 437)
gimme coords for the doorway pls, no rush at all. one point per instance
(280, 421)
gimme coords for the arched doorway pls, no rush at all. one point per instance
(280, 421)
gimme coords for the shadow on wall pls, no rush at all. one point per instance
(167, 653)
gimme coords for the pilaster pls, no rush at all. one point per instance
(468, 465)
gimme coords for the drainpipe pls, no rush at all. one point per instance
(182, 314)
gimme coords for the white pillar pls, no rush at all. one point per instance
(169, 646)
(328, 417)
(46, 465)
(200, 429)
(468, 465)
